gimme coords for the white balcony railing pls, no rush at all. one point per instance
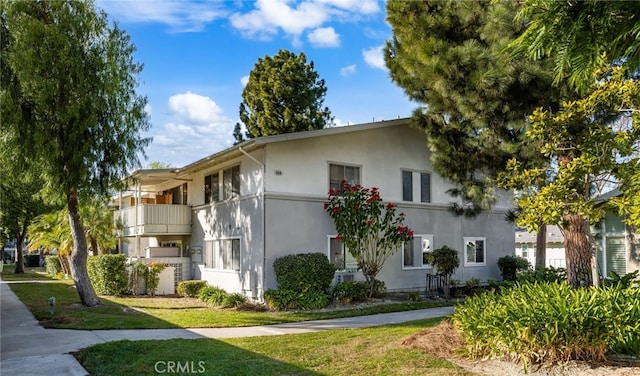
(149, 219)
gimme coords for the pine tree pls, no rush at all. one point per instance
(284, 95)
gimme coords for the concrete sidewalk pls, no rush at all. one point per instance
(28, 349)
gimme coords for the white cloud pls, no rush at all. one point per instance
(200, 128)
(194, 108)
(244, 80)
(348, 70)
(324, 37)
(374, 57)
(148, 109)
(181, 16)
(272, 16)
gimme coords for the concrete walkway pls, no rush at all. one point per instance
(28, 349)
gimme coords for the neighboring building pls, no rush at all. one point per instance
(231, 214)
(526, 246)
(618, 244)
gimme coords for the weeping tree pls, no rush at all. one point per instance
(453, 58)
(69, 103)
(284, 94)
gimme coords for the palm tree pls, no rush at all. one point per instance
(50, 232)
(99, 226)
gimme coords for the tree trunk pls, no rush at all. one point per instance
(79, 255)
(578, 251)
(19, 241)
(541, 247)
(19, 258)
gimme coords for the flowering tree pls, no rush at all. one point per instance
(370, 230)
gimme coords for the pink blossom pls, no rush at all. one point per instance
(390, 206)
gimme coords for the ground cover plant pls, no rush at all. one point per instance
(136, 312)
(372, 351)
(550, 322)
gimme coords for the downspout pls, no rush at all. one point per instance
(264, 216)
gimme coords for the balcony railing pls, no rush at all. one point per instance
(154, 219)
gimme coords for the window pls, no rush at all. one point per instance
(474, 251)
(425, 187)
(525, 250)
(231, 182)
(408, 187)
(338, 173)
(230, 185)
(222, 254)
(212, 188)
(340, 257)
(415, 252)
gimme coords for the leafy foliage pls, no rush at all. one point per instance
(52, 265)
(351, 291)
(69, 105)
(108, 274)
(445, 259)
(234, 300)
(304, 272)
(550, 322)
(213, 295)
(190, 289)
(591, 143)
(370, 229)
(284, 94)
(451, 57)
(580, 36)
(510, 266)
(283, 300)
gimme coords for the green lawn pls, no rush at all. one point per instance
(371, 351)
(34, 288)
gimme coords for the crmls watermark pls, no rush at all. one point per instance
(179, 367)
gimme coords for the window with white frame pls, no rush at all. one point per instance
(218, 188)
(415, 251)
(222, 254)
(338, 173)
(339, 256)
(475, 251)
(420, 191)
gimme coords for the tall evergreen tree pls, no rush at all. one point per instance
(68, 102)
(284, 95)
(451, 57)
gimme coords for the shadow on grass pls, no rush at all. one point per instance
(34, 289)
(205, 357)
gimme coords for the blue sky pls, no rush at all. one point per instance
(197, 56)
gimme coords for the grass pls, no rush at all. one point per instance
(371, 351)
(34, 289)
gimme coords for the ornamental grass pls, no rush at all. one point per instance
(550, 322)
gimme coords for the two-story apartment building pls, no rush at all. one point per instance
(263, 199)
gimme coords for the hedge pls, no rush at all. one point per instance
(108, 274)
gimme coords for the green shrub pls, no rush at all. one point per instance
(152, 277)
(625, 281)
(108, 274)
(444, 259)
(549, 274)
(190, 289)
(550, 322)
(213, 296)
(379, 288)
(305, 272)
(352, 291)
(414, 296)
(284, 300)
(233, 300)
(52, 265)
(511, 265)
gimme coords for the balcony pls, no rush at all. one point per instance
(155, 219)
